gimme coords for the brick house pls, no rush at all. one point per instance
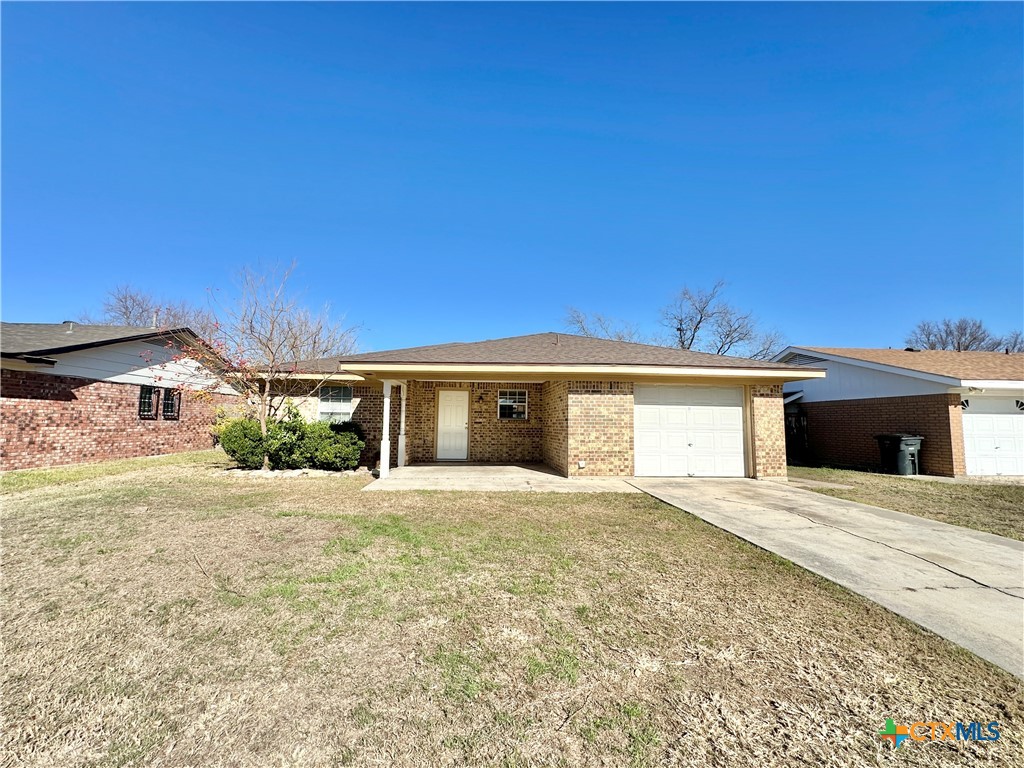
(968, 406)
(73, 393)
(582, 406)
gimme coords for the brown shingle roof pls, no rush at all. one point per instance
(547, 349)
(965, 366)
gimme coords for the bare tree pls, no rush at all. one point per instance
(127, 305)
(702, 320)
(699, 319)
(1013, 342)
(600, 326)
(262, 339)
(965, 334)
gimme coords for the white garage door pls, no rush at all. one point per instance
(688, 431)
(993, 435)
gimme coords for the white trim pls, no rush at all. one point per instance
(380, 370)
(992, 384)
(787, 399)
(401, 429)
(526, 403)
(385, 439)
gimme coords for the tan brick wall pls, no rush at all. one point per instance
(600, 418)
(569, 421)
(555, 438)
(47, 421)
(490, 438)
(768, 431)
(842, 433)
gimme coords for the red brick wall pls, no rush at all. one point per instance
(50, 420)
(842, 432)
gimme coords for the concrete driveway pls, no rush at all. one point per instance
(964, 585)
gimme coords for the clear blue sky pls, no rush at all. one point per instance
(457, 172)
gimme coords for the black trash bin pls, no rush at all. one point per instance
(900, 453)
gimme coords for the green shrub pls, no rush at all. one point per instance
(243, 442)
(352, 427)
(284, 440)
(325, 448)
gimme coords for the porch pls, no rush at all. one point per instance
(462, 476)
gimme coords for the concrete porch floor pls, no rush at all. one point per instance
(460, 476)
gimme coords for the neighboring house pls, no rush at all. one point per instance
(74, 393)
(582, 406)
(968, 406)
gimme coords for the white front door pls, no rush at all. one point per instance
(688, 431)
(993, 435)
(452, 424)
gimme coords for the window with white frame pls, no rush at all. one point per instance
(512, 404)
(335, 404)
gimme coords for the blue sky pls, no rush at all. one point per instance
(456, 172)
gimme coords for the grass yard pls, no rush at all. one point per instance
(163, 612)
(987, 507)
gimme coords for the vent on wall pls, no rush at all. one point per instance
(800, 359)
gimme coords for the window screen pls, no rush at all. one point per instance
(335, 403)
(512, 404)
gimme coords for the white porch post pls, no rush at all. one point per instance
(385, 433)
(401, 428)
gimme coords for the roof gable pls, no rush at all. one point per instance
(962, 366)
(38, 339)
(545, 349)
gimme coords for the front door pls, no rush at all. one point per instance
(452, 424)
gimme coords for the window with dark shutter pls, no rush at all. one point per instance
(172, 405)
(148, 398)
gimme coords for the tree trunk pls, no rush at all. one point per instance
(264, 402)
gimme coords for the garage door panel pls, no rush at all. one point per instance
(673, 418)
(647, 416)
(674, 441)
(699, 431)
(648, 441)
(731, 443)
(702, 440)
(993, 429)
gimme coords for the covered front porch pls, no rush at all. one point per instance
(467, 422)
(494, 477)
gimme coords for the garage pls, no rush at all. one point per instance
(688, 431)
(993, 435)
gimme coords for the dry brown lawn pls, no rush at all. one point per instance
(984, 506)
(169, 614)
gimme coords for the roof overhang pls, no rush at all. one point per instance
(536, 372)
(949, 381)
(992, 384)
(27, 362)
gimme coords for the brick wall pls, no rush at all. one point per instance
(842, 433)
(48, 420)
(490, 438)
(555, 439)
(600, 418)
(768, 428)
